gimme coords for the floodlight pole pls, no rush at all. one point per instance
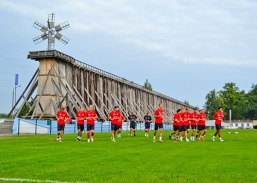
(14, 94)
(230, 116)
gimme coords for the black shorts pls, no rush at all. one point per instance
(218, 126)
(114, 127)
(193, 127)
(80, 127)
(158, 126)
(132, 125)
(60, 127)
(90, 127)
(185, 127)
(176, 128)
(147, 125)
(119, 126)
(201, 127)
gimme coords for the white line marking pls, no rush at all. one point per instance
(32, 180)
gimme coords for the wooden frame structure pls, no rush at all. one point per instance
(62, 80)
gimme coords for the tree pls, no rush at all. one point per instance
(147, 85)
(251, 103)
(3, 115)
(186, 102)
(234, 100)
(213, 101)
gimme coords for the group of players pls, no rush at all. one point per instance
(182, 121)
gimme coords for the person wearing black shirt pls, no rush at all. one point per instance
(133, 119)
(147, 120)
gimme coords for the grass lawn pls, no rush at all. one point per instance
(39, 158)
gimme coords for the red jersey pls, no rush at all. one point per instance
(185, 117)
(177, 119)
(193, 118)
(62, 116)
(202, 118)
(90, 115)
(115, 115)
(121, 119)
(159, 112)
(80, 117)
(218, 116)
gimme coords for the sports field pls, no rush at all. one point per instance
(40, 158)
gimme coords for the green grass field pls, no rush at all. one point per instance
(39, 158)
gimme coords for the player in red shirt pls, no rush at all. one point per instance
(114, 117)
(176, 125)
(159, 116)
(90, 116)
(80, 117)
(193, 121)
(185, 118)
(61, 117)
(201, 124)
(218, 117)
(121, 119)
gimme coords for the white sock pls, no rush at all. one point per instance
(154, 137)
(160, 138)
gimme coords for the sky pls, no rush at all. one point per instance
(185, 48)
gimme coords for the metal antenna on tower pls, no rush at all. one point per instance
(51, 32)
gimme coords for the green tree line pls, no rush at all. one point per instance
(243, 105)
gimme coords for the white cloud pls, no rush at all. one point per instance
(209, 32)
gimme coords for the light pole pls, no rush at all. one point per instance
(14, 97)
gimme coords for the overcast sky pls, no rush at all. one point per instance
(185, 48)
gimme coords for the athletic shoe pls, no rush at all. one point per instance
(213, 139)
(187, 140)
(113, 140)
(154, 140)
(181, 139)
(147, 135)
(221, 140)
(57, 139)
(78, 139)
(88, 140)
(60, 140)
(92, 139)
(134, 134)
(202, 138)
(169, 136)
(172, 137)
(161, 141)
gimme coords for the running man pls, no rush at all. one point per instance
(218, 117)
(147, 120)
(193, 120)
(159, 116)
(121, 119)
(133, 119)
(61, 117)
(201, 125)
(176, 125)
(185, 118)
(80, 116)
(114, 117)
(90, 116)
